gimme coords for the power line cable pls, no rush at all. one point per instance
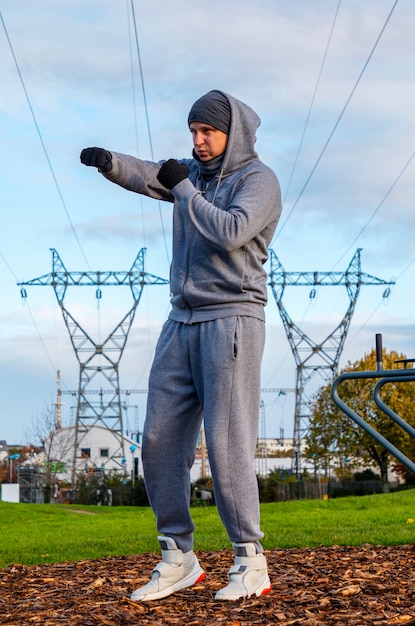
(279, 231)
(55, 180)
(365, 226)
(306, 124)
(328, 141)
(394, 183)
(39, 335)
(41, 140)
(323, 62)
(142, 79)
(7, 264)
(134, 99)
(387, 194)
(147, 119)
(133, 88)
(362, 326)
(406, 268)
(151, 348)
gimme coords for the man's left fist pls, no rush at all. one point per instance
(172, 173)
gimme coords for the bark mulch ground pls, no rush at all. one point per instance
(332, 586)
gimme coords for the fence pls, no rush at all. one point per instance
(317, 490)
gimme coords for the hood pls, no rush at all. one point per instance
(242, 135)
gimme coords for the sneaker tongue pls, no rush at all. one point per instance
(247, 549)
(167, 543)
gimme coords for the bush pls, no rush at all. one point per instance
(111, 489)
(366, 474)
(343, 488)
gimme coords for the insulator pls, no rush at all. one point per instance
(386, 293)
(23, 292)
(98, 294)
(313, 293)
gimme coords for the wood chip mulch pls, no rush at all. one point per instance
(332, 586)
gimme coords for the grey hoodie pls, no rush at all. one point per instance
(221, 230)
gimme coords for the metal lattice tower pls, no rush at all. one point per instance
(98, 362)
(261, 456)
(310, 357)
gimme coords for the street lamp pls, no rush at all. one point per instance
(133, 448)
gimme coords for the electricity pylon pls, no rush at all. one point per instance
(310, 357)
(98, 362)
(261, 455)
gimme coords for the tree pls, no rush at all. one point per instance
(333, 434)
(57, 445)
(330, 433)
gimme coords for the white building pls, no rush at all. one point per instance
(4, 450)
(98, 448)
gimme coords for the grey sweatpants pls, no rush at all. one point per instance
(211, 371)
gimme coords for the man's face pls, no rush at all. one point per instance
(208, 142)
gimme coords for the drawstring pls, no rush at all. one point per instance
(217, 185)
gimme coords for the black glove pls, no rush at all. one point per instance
(97, 157)
(171, 173)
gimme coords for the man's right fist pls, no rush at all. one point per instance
(97, 157)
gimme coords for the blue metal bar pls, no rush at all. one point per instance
(386, 409)
(385, 376)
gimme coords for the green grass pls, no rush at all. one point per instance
(35, 533)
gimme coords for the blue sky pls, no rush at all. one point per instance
(333, 82)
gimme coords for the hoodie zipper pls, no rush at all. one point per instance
(203, 192)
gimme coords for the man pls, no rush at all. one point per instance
(208, 357)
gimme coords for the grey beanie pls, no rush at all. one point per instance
(213, 108)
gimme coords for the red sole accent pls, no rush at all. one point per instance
(267, 590)
(201, 577)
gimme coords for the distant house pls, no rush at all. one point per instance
(3, 450)
(272, 447)
(97, 449)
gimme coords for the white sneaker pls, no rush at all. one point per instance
(176, 571)
(248, 576)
